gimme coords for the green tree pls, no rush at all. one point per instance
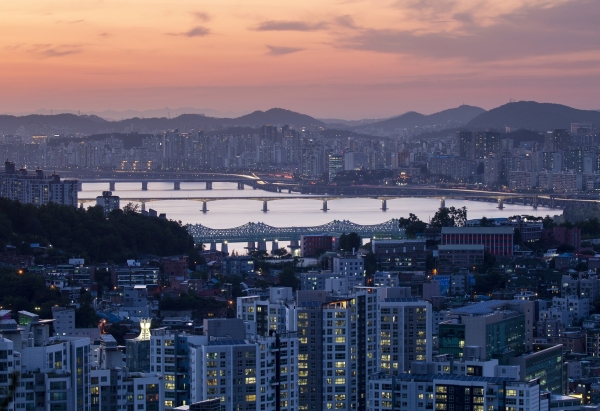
(131, 208)
(287, 278)
(486, 222)
(354, 241)
(370, 263)
(548, 222)
(565, 248)
(280, 252)
(85, 315)
(88, 234)
(486, 283)
(412, 225)
(449, 217)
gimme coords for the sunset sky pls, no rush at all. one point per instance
(327, 58)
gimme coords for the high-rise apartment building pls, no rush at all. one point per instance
(54, 371)
(115, 387)
(36, 188)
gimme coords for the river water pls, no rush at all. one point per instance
(286, 213)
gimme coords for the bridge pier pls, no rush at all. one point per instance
(204, 207)
(144, 186)
(265, 209)
(251, 246)
(384, 204)
(324, 205)
(176, 185)
(274, 245)
(262, 246)
(534, 202)
(209, 185)
(213, 246)
(443, 203)
(294, 247)
(500, 204)
(143, 207)
(224, 248)
(240, 186)
(289, 191)
(111, 186)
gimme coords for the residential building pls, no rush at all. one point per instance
(108, 202)
(36, 188)
(349, 265)
(422, 392)
(54, 371)
(453, 256)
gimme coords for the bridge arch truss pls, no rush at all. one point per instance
(263, 232)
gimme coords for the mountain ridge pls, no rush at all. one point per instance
(529, 115)
(92, 124)
(454, 116)
(532, 115)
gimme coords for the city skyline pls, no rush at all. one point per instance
(344, 59)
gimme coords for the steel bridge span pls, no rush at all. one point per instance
(261, 233)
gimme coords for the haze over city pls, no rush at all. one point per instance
(326, 58)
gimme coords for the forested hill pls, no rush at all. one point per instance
(69, 232)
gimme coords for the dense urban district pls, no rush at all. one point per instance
(113, 307)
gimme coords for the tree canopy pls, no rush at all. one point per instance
(449, 217)
(287, 278)
(75, 232)
(350, 241)
(26, 291)
(412, 225)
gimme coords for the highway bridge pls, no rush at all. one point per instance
(499, 198)
(278, 184)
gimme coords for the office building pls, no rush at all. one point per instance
(465, 335)
(544, 363)
(496, 240)
(456, 256)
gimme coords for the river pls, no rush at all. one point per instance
(286, 213)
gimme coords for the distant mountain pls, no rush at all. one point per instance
(533, 116)
(57, 123)
(451, 117)
(339, 123)
(277, 116)
(161, 112)
(115, 115)
(71, 123)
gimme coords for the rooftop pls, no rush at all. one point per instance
(478, 230)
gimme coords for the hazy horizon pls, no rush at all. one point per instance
(341, 59)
